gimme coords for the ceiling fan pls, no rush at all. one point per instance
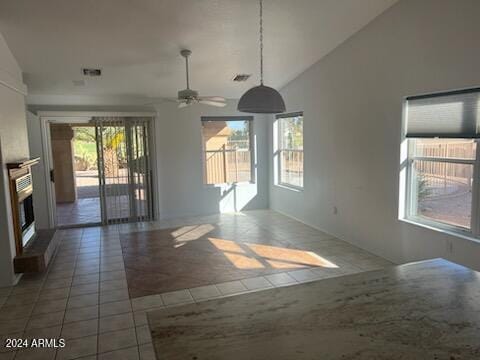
(188, 96)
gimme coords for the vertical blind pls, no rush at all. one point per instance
(124, 169)
(452, 114)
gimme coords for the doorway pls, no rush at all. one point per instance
(75, 174)
(101, 171)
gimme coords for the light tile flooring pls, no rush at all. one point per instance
(86, 211)
(84, 298)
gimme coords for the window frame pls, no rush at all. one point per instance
(279, 149)
(410, 191)
(251, 148)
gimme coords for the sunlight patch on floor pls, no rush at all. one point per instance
(193, 232)
(256, 256)
(291, 255)
(244, 261)
(284, 265)
(226, 245)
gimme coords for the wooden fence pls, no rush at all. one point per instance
(227, 166)
(445, 173)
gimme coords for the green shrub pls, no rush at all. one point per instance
(423, 190)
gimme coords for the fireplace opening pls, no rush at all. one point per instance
(27, 219)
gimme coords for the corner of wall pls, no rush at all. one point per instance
(13, 146)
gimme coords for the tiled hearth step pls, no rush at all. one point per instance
(38, 254)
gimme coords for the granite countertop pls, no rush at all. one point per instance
(424, 310)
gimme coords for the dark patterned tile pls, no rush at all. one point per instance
(189, 256)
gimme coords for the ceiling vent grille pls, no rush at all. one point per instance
(241, 77)
(92, 72)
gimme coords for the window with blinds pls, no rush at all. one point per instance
(454, 114)
(227, 150)
(442, 131)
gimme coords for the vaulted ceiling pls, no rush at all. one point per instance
(137, 43)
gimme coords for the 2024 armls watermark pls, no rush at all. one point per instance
(18, 343)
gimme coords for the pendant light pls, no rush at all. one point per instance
(261, 99)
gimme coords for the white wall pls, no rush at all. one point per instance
(40, 202)
(352, 103)
(178, 145)
(180, 172)
(13, 147)
(37, 102)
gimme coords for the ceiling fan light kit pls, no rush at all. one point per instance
(261, 99)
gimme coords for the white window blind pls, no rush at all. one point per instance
(454, 114)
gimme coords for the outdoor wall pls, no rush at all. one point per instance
(63, 163)
(352, 103)
(13, 147)
(180, 164)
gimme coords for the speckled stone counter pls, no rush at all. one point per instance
(424, 310)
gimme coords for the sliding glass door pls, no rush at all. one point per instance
(124, 169)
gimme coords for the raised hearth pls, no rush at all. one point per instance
(38, 254)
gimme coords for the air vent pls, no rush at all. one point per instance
(241, 77)
(79, 82)
(92, 72)
(23, 182)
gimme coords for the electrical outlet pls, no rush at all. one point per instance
(335, 210)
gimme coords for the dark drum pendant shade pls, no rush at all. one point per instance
(261, 100)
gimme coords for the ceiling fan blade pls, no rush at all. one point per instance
(183, 104)
(212, 103)
(213, 98)
(158, 101)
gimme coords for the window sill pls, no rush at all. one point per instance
(289, 187)
(459, 234)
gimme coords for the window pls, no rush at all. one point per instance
(442, 179)
(442, 135)
(227, 149)
(290, 149)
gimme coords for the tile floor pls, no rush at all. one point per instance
(82, 211)
(237, 248)
(88, 210)
(84, 295)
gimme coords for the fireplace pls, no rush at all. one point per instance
(35, 248)
(21, 194)
(26, 219)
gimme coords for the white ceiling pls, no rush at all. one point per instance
(137, 43)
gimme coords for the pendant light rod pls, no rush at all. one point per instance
(261, 99)
(261, 42)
